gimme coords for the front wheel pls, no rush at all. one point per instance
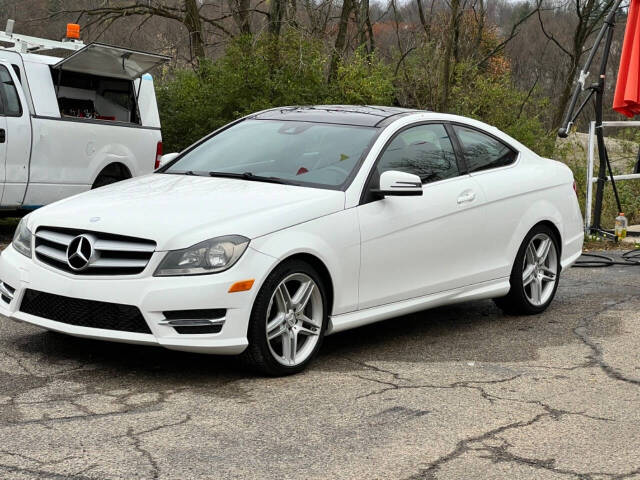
(288, 320)
(535, 274)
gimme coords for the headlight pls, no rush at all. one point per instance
(210, 256)
(22, 238)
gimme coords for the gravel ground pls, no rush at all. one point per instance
(456, 392)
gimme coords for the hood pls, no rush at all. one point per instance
(177, 211)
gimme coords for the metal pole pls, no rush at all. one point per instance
(602, 149)
(590, 154)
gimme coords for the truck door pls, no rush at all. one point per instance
(17, 138)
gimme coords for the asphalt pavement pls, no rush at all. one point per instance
(461, 392)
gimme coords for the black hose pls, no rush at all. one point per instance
(594, 260)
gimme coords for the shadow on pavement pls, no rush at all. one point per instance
(475, 331)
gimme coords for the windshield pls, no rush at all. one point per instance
(287, 151)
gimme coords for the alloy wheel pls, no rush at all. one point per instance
(540, 269)
(294, 319)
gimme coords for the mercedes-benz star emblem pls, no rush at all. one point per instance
(79, 253)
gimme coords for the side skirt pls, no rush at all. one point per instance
(490, 289)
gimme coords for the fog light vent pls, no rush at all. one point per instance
(6, 292)
(195, 321)
(198, 330)
(207, 314)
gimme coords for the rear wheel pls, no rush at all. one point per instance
(288, 320)
(535, 274)
(111, 174)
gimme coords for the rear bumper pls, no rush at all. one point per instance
(571, 250)
(151, 295)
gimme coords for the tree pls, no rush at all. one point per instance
(450, 45)
(426, 24)
(193, 23)
(241, 15)
(341, 38)
(276, 14)
(186, 12)
(365, 30)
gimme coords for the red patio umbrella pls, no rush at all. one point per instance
(627, 97)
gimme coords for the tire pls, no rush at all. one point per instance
(114, 172)
(525, 297)
(104, 180)
(271, 316)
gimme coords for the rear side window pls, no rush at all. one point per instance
(483, 152)
(9, 94)
(424, 150)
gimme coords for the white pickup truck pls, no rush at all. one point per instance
(72, 124)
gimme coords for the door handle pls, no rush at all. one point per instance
(466, 197)
(3, 135)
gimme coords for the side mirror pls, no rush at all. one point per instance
(167, 158)
(395, 183)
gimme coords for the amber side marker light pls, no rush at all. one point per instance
(73, 31)
(242, 286)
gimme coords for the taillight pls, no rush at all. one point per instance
(575, 187)
(159, 156)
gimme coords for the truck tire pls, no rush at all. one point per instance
(111, 174)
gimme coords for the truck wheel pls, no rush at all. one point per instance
(111, 174)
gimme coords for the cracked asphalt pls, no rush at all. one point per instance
(452, 393)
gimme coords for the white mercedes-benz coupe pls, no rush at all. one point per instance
(294, 223)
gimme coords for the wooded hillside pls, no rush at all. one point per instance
(507, 62)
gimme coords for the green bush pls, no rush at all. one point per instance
(363, 80)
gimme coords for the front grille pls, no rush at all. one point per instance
(84, 313)
(109, 254)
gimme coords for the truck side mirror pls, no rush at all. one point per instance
(167, 158)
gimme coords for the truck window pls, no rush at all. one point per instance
(82, 95)
(9, 94)
(16, 69)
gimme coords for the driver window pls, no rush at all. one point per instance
(423, 150)
(9, 94)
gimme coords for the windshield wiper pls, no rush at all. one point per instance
(187, 172)
(248, 176)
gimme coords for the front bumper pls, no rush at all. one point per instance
(151, 295)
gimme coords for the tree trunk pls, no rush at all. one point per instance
(363, 25)
(276, 13)
(194, 27)
(481, 16)
(241, 15)
(341, 39)
(449, 48)
(423, 20)
(292, 13)
(372, 43)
